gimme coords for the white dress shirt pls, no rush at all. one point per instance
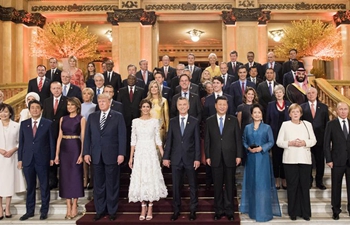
(346, 123)
(185, 120)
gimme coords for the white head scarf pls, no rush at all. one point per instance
(33, 94)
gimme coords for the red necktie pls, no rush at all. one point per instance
(131, 95)
(55, 107)
(35, 128)
(271, 66)
(234, 67)
(40, 86)
(242, 88)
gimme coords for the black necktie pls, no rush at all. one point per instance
(345, 130)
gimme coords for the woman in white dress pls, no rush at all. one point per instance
(146, 181)
(11, 178)
(25, 114)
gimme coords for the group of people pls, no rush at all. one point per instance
(224, 116)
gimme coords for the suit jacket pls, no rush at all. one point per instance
(41, 147)
(75, 91)
(56, 76)
(258, 67)
(139, 83)
(167, 93)
(264, 94)
(236, 93)
(196, 75)
(288, 78)
(230, 69)
(195, 106)
(45, 91)
(336, 147)
(272, 116)
(258, 80)
(319, 122)
(174, 83)
(116, 82)
(108, 143)
(115, 105)
(278, 71)
(228, 144)
(48, 113)
(149, 77)
(183, 148)
(230, 79)
(171, 74)
(193, 89)
(131, 110)
(209, 106)
(287, 66)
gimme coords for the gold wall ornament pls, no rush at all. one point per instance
(188, 7)
(342, 17)
(131, 15)
(303, 6)
(246, 3)
(22, 16)
(249, 14)
(228, 17)
(129, 4)
(73, 8)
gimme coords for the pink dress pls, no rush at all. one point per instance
(78, 79)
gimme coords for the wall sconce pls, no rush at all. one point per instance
(109, 35)
(195, 34)
(276, 34)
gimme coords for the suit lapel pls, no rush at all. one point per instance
(39, 130)
(108, 118)
(187, 125)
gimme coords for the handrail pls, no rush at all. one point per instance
(17, 102)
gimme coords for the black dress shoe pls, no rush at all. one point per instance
(335, 216)
(2, 217)
(98, 217)
(321, 186)
(306, 218)
(175, 216)
(230, 217)
(193, 216)
(26, 216)
(293, 217)
(284, 187)
(218, 216)
(43, 216)
(112, 217)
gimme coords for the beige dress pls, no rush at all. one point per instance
(161, 113)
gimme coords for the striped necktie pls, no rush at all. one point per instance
(103, 121)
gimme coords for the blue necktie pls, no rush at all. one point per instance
(98, 91)
(185, 94)
(270, 88)
(65, 90)
(182, 125)
(221, 125)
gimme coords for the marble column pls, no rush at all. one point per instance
(261, 53)
(248, 32)
(229, 41)
(343, 65)
(147, 45)
(115, 52)
(8, 50)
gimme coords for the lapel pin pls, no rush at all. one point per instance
(27, 125)
(229, 118)
(188, 122)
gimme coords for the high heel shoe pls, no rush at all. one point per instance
(149, 207)
(142, 217)
(67, 217)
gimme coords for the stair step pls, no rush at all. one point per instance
(56, 219)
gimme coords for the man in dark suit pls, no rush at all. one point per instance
(54, 74)
(132, 70)
(251, 63)
(233, 65)
(104, 147)
(223, 152)
(237, 88)
(182, 152)
(36, 152)
(192, 86)
(253, 76)
(227, 78)
(112, 78)
(166, 91)
(337, 153)
(68, 89)
(168, 71)
(115, 105)
(289, 77)
(317, 114)
(99, 86)
(130, 96)
(195, 104)
(40, 84)
(144, 74)
(296, 92)
(54, 108)
(287, 65)
(265, 90)
(175, 81)
(196, 72)
(271, 63)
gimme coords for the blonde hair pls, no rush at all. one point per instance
(149, 94)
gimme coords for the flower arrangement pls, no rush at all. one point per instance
(61, 40)
(311, 38)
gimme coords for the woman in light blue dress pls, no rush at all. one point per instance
(259, 195)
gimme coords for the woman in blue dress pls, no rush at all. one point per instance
(259, 194)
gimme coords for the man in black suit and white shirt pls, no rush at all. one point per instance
(223, 152)
(265, 90)
(68, 89)
(253, 76)
(317, 114)
(175, 81)
(251, 63)
(286, 67)
(271, 63)
(227, 78)
(99, 86)
(193, 88)
(337, 153)
(112, 78)
(289, 77)
(196, 72)
(54, 74)
(233, 65)
(40, 84)
(166, 91)
(144, 74)
(168, 71)
(182, 152)
(132, 71)
(114, 105)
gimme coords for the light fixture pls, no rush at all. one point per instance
(277, 34)
(109, 35)
(195, 34)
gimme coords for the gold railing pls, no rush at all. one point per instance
(331, 92)
(17, 102)
(11, 89)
